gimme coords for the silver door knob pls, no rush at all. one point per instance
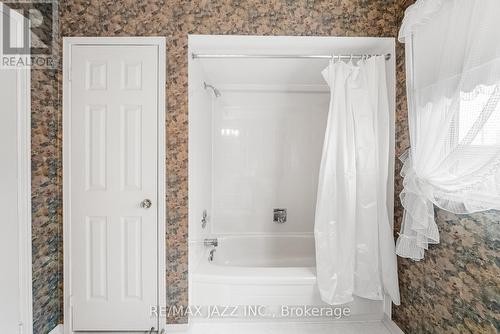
(146, 204)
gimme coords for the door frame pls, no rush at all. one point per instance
(24, 199)
(24, 216)
(160, 43)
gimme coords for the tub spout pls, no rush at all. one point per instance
(210, 242)
(211, 255)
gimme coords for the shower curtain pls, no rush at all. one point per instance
(355, 252)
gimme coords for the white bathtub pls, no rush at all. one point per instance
(265, 251)
(266, 270)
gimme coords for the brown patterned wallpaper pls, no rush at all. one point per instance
(440, 309)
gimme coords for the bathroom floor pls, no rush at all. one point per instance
(375, 327)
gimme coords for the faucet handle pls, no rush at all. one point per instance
(279, 216)
(204, 216)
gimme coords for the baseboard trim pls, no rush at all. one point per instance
(391, 326)
(181, 328)
(176, 328)
(59, 329)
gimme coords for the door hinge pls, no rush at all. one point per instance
(69, 74)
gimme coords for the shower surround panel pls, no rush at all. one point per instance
(266, 153)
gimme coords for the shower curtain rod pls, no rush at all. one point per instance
(289, 56)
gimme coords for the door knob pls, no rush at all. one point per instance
(146, 204)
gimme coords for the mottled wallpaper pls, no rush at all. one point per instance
(46, 183)
(426, 308)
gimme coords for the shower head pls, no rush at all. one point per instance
(215, 90)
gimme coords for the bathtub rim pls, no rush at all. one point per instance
(222, 274)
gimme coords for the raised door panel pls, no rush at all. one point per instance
(113, 169)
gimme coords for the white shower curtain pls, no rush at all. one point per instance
(355, 252)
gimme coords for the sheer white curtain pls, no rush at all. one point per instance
(453, 87)
(355, 252)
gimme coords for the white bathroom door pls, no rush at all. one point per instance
(113, 175)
